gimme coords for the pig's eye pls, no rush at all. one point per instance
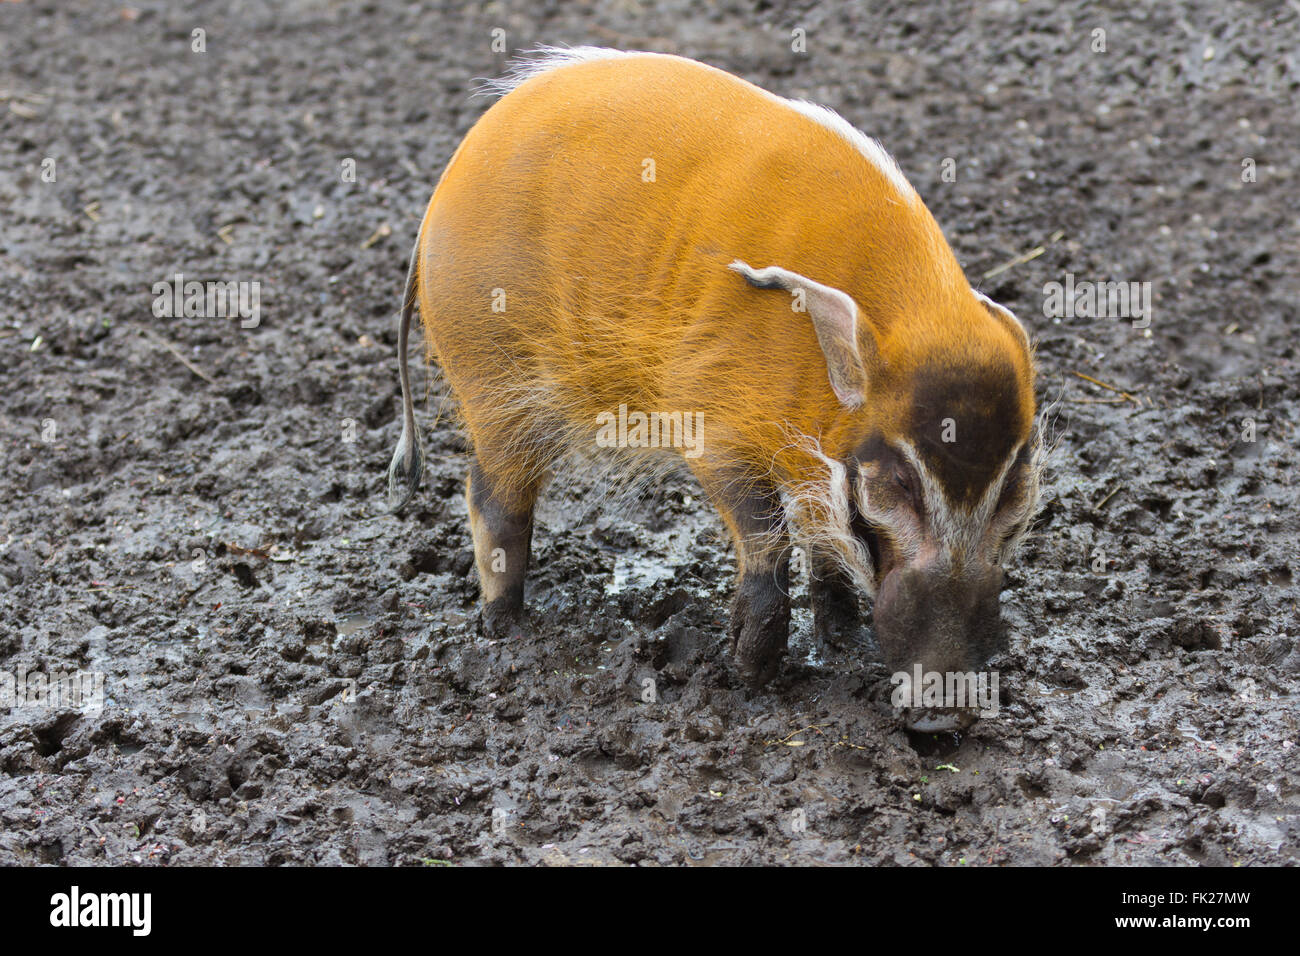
(907, 485)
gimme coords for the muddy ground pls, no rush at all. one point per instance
(195, 509)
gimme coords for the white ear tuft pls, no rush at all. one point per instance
(1008, 317)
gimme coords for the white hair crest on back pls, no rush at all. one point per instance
(866, 145)
(543, 59)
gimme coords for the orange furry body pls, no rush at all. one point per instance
(613, 290)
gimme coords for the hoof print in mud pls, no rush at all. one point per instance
(938, 720)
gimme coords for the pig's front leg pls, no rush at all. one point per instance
(759, 626)
(760, 621)
(837, 619)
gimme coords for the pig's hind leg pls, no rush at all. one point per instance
(501, 520)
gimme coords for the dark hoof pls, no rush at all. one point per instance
(503, 622)
(758, 671)
(758, 653)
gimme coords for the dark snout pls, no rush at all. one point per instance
(940, 624)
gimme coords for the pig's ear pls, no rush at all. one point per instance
(834, 316)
